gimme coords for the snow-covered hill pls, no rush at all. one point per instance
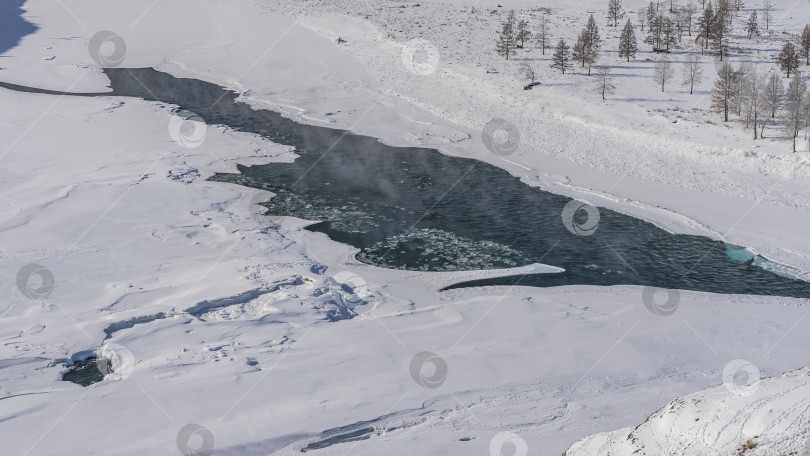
(767, 417)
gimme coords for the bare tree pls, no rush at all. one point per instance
(604, 82)
(796, 106)
(542, 33)
(528, 72)
(688, 13)
(642, 17)
(773, 95)
(663, 72)
(753, 85)
(766, 13)
(692, 72)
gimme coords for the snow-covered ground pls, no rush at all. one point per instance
(766, 418)
(254, 348)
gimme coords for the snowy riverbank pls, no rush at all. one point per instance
(99, 193)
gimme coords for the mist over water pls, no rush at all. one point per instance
(417, 209)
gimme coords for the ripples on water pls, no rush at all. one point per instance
(417, 209)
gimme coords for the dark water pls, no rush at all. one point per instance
(414, 208)
(88, 371)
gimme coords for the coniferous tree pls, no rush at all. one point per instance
(705, 27)
(615, 11)
(725, 8)
(651, 12)
(506, 42)
(584, 52)
(628, 46)
(561, 59)
(586, 48)
(720, 30)
(752, 27)
(805, 44)
(592, 31)
(523, 33)
(670, 34)
(578, 52)
(724, 90)
(788, 58)
(655, 33)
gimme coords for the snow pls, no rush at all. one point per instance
(766, 417)
(97, 191)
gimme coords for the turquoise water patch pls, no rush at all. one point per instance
(745, 255)
(739, 254)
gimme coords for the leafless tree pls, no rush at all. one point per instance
(766, 13)
(753, 85)
(663, 72)
(773, 95)
(528, 71)
(692, 72)
(604, 82)
(796, 99)
(542, 33)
